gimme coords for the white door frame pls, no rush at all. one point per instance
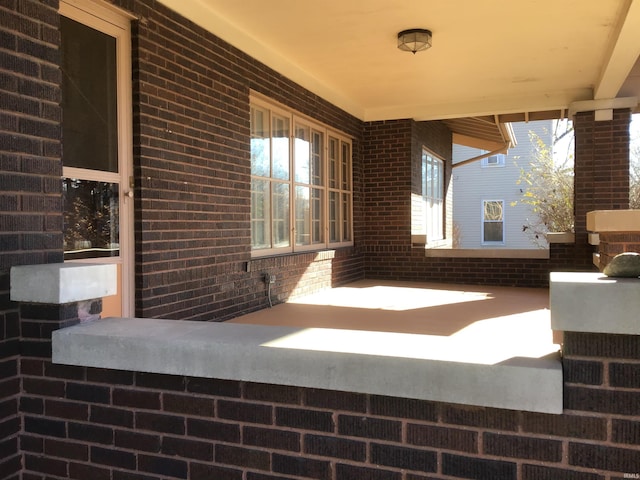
(116, 23)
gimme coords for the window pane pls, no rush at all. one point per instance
(303, 216)
(280, 147)
(317, 215)
(260, 155)
(346, 166)
(334, 160)
(346, 217)
(493, 232)
(260, 219)
(317, 158)
(302, 158)
(89, 97)
(334, 217)
(91, 219)
(281, 224)
(309, 211)
(433, 171)
(493, 211)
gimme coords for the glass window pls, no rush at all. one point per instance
(310, 208)
(494, 161)
(89, 97)
(493, 221)
(91, 219)
(433, 193)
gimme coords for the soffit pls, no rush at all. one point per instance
(515, 59)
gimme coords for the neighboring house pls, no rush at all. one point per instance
(485, 191)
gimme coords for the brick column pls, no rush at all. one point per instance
(602, 379)
(601, 368)
(601, 171)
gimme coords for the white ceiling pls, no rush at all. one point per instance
(488, 57)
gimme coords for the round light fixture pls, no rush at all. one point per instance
(414, 40)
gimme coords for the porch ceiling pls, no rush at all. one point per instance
(518, 60)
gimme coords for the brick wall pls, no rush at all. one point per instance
(30, 201)
(602, 380)
(192, 168)
(391, 156)
(84, 423)
(614, 243)
(387, 160)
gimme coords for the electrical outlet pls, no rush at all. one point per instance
(269, 278)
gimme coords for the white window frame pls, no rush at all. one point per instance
(433, 195)
(488, 162)
(326, 187)
(483, 220)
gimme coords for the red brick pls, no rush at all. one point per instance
(271, 438)
(369, 427)
(441, 437)
(304, 419)
(244, 457)
(522, 447)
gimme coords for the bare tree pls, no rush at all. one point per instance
(547, 185)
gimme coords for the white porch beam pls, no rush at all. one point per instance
(623, 53)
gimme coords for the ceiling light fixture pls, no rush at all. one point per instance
(414, 40)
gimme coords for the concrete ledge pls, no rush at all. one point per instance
(539, 253)
(593, 302)
(380, 363)
(602, 221)
(59, 283)
(561, 237)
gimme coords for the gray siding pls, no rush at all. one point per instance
(474, 183)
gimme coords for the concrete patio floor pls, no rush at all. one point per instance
(462, 323)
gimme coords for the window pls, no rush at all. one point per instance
(433, 192)
(95, 66)
(492, 221)
(494, 161)
(301, 192)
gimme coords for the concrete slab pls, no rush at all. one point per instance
(59, 283)
(601, 221)
(593, 302)
(471, 363)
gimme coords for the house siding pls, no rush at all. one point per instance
(475, 183)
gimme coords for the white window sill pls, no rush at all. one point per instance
(380, 363)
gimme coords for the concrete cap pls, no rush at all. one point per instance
(59, 283)
(593, 302)
(351, 361)
(613, 221)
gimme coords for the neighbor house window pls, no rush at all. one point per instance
(493, 161)
(492, 221)
(301, 192)
(433, 192)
